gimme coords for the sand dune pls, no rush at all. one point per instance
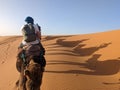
(74, 62)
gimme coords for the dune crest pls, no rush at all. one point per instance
(74, 62)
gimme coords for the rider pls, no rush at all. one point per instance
(37, 28)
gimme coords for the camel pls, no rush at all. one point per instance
(30, 76)
(30, 72)
(34, 75)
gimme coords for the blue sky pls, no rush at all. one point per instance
(60, 16)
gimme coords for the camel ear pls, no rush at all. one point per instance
(27, 72)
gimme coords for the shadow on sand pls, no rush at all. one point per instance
(47, 38)
(76, 48)
(106, 67)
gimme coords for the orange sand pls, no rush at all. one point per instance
(74, 62)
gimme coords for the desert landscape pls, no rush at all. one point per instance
(74, 62)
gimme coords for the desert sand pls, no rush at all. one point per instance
(74, 62)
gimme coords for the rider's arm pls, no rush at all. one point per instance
(39, 35)
(38, 32)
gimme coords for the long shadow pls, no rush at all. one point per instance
(47, 38)
(56, 47)
(106, 67)
(79, 51)
(62, 43)
(65, 52)
(88, 51)
(111, 83)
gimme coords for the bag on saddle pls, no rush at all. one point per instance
(33, 50)
(28, 32)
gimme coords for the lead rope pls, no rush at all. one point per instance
(24, 59)
(24, 62)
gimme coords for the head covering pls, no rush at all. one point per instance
(29, 20)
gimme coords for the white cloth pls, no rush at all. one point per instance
(33, 42)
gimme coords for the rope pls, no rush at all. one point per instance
(23, 58)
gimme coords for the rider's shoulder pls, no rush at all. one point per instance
(36, 27)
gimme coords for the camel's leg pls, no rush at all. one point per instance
(22, 80)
